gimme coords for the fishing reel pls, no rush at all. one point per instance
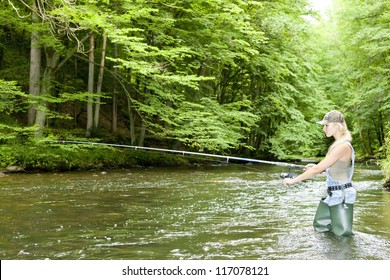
(288, 174)
(285, 175)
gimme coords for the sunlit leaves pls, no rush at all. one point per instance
(12, 99)
(211, 126)
(214, 75)
(364, 32)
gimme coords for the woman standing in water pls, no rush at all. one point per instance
(335, 211)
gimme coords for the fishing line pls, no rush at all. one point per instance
(288, 174)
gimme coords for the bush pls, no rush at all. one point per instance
(66, 157)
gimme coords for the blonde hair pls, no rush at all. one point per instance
(345, 136)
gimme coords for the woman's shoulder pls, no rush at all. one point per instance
(342, 151)
(341, 145)
(341, 148)
(349, 145)
(344, 146)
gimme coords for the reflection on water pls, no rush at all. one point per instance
(222, 212)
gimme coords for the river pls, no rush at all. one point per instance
(203, 213)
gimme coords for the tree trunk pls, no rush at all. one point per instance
(142, 134)
(362, 139)
(75, 103)
(132, 122)
(90, 85)
(100, 81)
(114, 125)
(35, 67)
(52, 60)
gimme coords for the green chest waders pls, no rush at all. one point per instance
(341, 216)
(337, 218)
(322, 222)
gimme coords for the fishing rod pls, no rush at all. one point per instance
(277, 163)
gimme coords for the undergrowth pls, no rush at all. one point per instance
(49, 157)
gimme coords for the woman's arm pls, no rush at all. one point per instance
(339, 152)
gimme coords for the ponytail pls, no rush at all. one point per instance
(345, 136)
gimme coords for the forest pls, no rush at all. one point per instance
(236, 77)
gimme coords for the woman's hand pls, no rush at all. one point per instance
(288, 181)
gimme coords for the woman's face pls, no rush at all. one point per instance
(331, 129)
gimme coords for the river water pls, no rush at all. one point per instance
(202, 213)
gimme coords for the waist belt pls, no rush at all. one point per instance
(338, 188)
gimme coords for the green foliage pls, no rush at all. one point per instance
(296, 139)
(385, 163)
(211, 126)
(214, 75)
(51, 157)
(12, 100)
(361, 45)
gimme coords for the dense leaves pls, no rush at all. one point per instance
(222, 76)
(364, 32)
(356, 54)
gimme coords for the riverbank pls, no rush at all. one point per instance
(51, 157)
(46, 157)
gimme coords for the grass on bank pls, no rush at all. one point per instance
(44, 157)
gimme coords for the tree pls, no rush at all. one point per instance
(60, 20)
(363, 28)
(35, 63)
(91, 81)
(212, 75)
(13, 100)
(100, 81)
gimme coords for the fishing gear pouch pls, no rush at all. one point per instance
(341, 216)
(322, 221)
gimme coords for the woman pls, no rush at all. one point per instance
(335, 211)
